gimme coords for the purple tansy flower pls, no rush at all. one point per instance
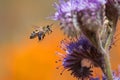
(81, 57)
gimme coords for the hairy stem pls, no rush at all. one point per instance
(107, 65)
(105, 52)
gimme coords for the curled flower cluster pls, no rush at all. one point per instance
(65, 8)
(67, 13)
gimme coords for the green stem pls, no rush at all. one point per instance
(107, 70)
(105, 52)
(107, 66)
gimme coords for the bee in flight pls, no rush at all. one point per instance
(41, 32)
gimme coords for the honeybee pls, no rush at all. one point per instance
(40, 32)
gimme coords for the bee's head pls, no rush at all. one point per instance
(33, 34)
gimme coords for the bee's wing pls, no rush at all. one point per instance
(35, 27)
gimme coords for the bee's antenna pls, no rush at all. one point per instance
(51, 24)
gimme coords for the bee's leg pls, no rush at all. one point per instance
(43, 35)
(49, 29)
(39, 38)
(46, 32)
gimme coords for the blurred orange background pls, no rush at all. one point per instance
(25, 59)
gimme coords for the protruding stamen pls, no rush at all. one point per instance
(62, 71)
